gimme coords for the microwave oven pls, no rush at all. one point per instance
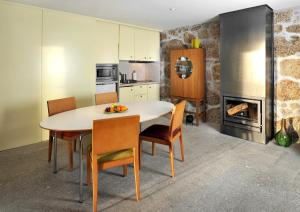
(106, 73)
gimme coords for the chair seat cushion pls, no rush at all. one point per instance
(157, 131)
(111, 156)
(65, 135)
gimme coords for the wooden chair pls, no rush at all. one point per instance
(58, 106)
(166, 135)
(115, 142)
(105, 98)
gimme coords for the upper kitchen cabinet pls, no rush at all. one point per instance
(138, 44)
(106, 42)
(126, 45)
(146, 45)
(20, 65)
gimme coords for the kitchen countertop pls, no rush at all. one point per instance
(138, 83)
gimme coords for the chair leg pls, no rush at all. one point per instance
(70, 155)
(95, 183)
(153, 149)
(181, 146)
(50, 148)
(75, 142)
(137, 174)
(125, 170)
(88, 169)
(171, 153)
(140, 153)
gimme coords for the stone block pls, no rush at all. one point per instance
(293, 28)
(290, 67)
(213, 115)
(284, 47)
(216, 71)
(277, 28)
(283, 16)
(188, 36)
(287, 90)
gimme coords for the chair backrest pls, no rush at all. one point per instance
(177, 118)
(61, 105)
(110, 135)
(105, 98)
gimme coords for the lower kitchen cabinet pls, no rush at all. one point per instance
(139, 93)
(126, 94)
(153, 92)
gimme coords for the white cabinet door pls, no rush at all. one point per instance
(140, 89)
(106, 42)
(20, 81)
(126, 43)
(68, 58)
(141, 44)
(126, 94)
(141, 97)
(153, 92)
(154, 48)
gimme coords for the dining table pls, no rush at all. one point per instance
(81, 120)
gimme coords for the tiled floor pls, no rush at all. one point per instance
(220, 173)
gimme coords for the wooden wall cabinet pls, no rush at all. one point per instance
(192, 86)
(188, 78)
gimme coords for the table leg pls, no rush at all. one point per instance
(80, 169)
(55, 153)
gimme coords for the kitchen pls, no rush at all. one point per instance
(203, 107)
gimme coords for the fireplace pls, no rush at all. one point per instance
(243, 113)
(247, 75)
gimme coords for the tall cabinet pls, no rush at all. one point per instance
(20, 68)
(188, 77)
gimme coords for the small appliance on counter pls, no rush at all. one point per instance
(134, 75)
(106, 78)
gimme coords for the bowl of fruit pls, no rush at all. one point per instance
(114, 108)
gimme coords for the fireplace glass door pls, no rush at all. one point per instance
(242, 111)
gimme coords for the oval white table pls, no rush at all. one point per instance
(81, 120)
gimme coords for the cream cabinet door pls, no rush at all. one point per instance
(141, 97)
(68, 58)
(127, 94)
(106, 42)
(142, 45)
(126, 43)
(154, 46)
(153, 92)
(20, 68)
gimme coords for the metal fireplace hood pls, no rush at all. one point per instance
(247, 70)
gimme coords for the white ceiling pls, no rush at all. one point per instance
(155, 13)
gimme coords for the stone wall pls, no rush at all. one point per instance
(209, 34)
(287, 63)
(287, 66)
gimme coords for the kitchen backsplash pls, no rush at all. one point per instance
(145, 71)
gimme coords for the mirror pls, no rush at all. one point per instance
(183, 67)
